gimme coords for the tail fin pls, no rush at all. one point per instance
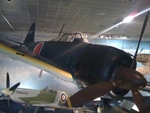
(30, 36)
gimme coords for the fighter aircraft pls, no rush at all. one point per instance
(49, 99)
(99, 69)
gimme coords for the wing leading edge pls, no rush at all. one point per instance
(30, 58)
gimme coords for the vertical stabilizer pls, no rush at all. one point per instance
(30, 36)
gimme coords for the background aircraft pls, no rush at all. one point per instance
(144, 59)
(49, 99)
(93, 66)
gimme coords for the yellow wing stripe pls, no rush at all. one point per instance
(34, 60)
(69, 103)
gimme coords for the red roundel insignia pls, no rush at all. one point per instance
(38, 48)
(63, 97)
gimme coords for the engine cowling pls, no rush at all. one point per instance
(99, 63)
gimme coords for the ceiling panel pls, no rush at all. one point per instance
(88, 16)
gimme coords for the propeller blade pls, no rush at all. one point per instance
(1, 95)
(93, 91)
(7, 81)
(131, 78)
(142, 32)
(14, 86)
(140, 102)
(137, 97)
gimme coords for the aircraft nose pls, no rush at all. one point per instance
(131, 78)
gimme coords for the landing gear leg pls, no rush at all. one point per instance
(106, 102)
(36, 109)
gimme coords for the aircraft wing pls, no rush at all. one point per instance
(26, 56)
(54, 106)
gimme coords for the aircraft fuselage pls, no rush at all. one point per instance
(44, 97)
(88, 63)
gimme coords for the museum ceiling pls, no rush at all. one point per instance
(90, 17)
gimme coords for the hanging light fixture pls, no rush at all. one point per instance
(8, 1)
(128, 19)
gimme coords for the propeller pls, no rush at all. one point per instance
(7, 81)
(137, 97)
(125, 77)
(93, 91)
(140, 102)
(141, 35)
(9, 90)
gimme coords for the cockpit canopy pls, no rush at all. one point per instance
(70, 37)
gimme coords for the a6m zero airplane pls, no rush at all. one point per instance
(99, 69)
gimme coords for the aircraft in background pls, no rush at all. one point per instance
(144, 59)
(99, 69)
(49, 99)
